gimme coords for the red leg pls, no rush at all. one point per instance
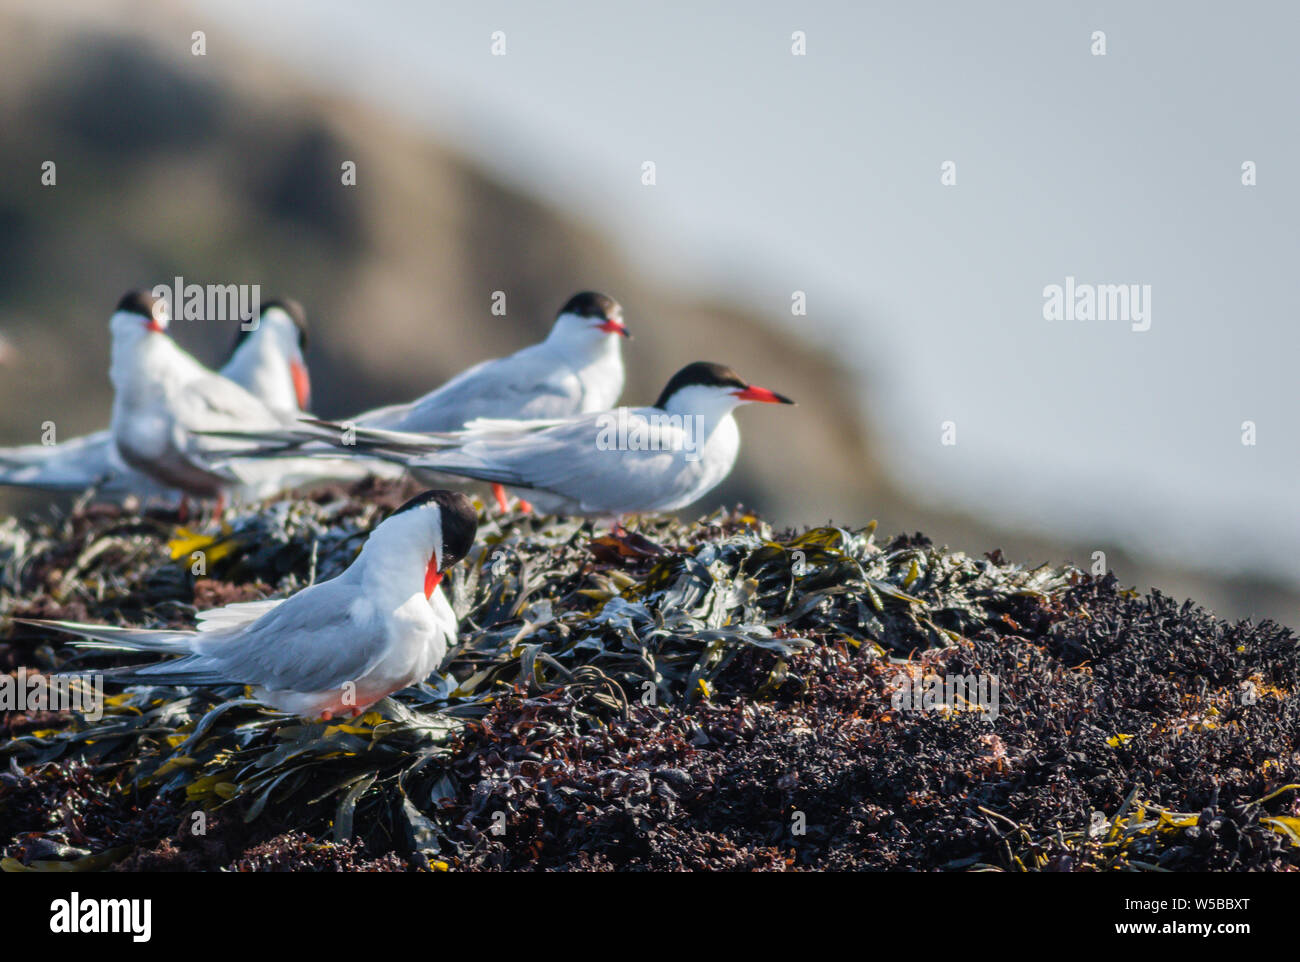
(525, 506)
(500, 493)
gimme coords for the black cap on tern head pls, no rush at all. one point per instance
(139, 302)
(592, 304)
(701, 374)
(459, 521)
(706, 374)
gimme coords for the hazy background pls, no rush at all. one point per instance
(775, 173)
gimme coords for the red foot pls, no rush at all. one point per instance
(525, 506)
(500, 494)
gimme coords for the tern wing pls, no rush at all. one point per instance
(213, 402)
(71, 465)
(317, 640)
(485, 427)
(530, 384)
(180, 671)
(263, 477)
(86, 462)
(92, 451)
(109, 636)
(583, 462)
(235, 615)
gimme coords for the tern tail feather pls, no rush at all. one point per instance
(132, 639)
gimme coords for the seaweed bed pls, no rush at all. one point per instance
(671, 696)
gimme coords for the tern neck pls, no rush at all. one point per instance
(137, 356)
(601, 372)
(395, 558)
(580, 343)
(260, 365)
(713, 406)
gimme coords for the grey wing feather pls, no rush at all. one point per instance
(313, 641)
(529, 384)
(212, 401)
(109, 636)
(70, 465)
(565, 459)
(187, 670)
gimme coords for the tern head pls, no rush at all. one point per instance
(139, 312)
(588, 318)
(441, 524)
(286, 315)
(705, 388)
(284, 323)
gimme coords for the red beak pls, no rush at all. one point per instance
(154, 326)
(613, 326)
(431, 578)
(762, 395)
(301, 383)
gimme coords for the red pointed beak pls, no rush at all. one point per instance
(615, 326)
(762, 395)
(154, 326)
(301, 384)
(431, 578)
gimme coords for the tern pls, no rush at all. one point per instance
(577, 369)
(266, 360)
(163, 396)
(335, 647)
(606, 464)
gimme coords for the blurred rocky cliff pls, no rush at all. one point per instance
(226, 169)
